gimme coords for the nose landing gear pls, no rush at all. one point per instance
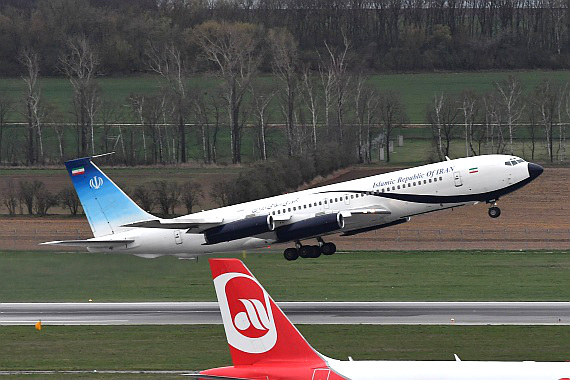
(309, 251)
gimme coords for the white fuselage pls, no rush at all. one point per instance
(449, 370)
(402, 193)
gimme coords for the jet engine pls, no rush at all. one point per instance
(239, 229)
(310, 227)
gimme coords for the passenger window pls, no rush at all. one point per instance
(279, 211)
(441, 178)
(393, 188)
(316, 204)
(425, 181)
(409, 185)
(430, 180)
(325, 201)
(294, 208)
(398, 187)
(304, 206)
(289, 209)
(320, 203)
(435, 180)
(336, 199)
(351, 196)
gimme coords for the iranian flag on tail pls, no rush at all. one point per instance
(78, 171)
(473, 170)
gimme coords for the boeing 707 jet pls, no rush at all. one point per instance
(119, 225)
(264, 344)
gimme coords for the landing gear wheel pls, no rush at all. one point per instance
(316, 251)
(328, 248)
(291, 254)
(305, 251)
(494, 212)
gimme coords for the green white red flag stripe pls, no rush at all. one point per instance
(78, 171)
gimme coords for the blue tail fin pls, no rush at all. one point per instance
(107, 207)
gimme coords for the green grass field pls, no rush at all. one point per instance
(199, 347)
(417, 90)
(356, 276)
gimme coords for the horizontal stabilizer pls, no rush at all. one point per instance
(89, 243)
(196, 225)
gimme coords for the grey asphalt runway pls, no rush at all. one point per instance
(165, 313)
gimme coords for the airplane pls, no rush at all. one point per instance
(264, 344)
(119, 225)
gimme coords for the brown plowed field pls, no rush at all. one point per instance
(535, 217)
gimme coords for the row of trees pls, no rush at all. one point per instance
(490, 122)
(386, 35)
(34, 198)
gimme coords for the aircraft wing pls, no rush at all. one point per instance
(89, 243)
(374, 210)
(194, 225)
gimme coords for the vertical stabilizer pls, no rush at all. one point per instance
(106, 206)
(257, 330)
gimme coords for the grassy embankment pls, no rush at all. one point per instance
(40, 276)
(201, 347)
(355, 276)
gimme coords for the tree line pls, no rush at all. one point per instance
(386, 35)
(321, 90)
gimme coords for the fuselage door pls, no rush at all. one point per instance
(177, 237)
(457, 179)
(321, 374)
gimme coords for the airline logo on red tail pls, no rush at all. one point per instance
(246, 312)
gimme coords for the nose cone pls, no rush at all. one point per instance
(534, 170)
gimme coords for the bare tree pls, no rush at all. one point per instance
(68, 199)
(545, 100)
(261, 100)
(341, 79)
(233, 49)
(510, 91)
(30, 60)
(167, 195)
(392, 114)
(191, 193)
(443, 119)
(311, 101)
(366, 104)
(79, 64)
(6, 106)
(469, 108)
(169, 63)
(11, 197)
(284, 49)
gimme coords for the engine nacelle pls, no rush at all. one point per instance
(239, 229)
(310, 227)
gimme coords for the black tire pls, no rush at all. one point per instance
(316, 251)
(494, 212)
(291, 254)
(305, 251)
(328, 248)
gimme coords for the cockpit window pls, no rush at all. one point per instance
(514, 161)
(508, 163)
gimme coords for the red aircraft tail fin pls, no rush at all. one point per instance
(256, 329)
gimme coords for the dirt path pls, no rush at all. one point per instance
(535, 217)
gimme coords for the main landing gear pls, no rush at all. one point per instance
(309, 251)
(494, 211)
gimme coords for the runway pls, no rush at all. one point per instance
(412, 313)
